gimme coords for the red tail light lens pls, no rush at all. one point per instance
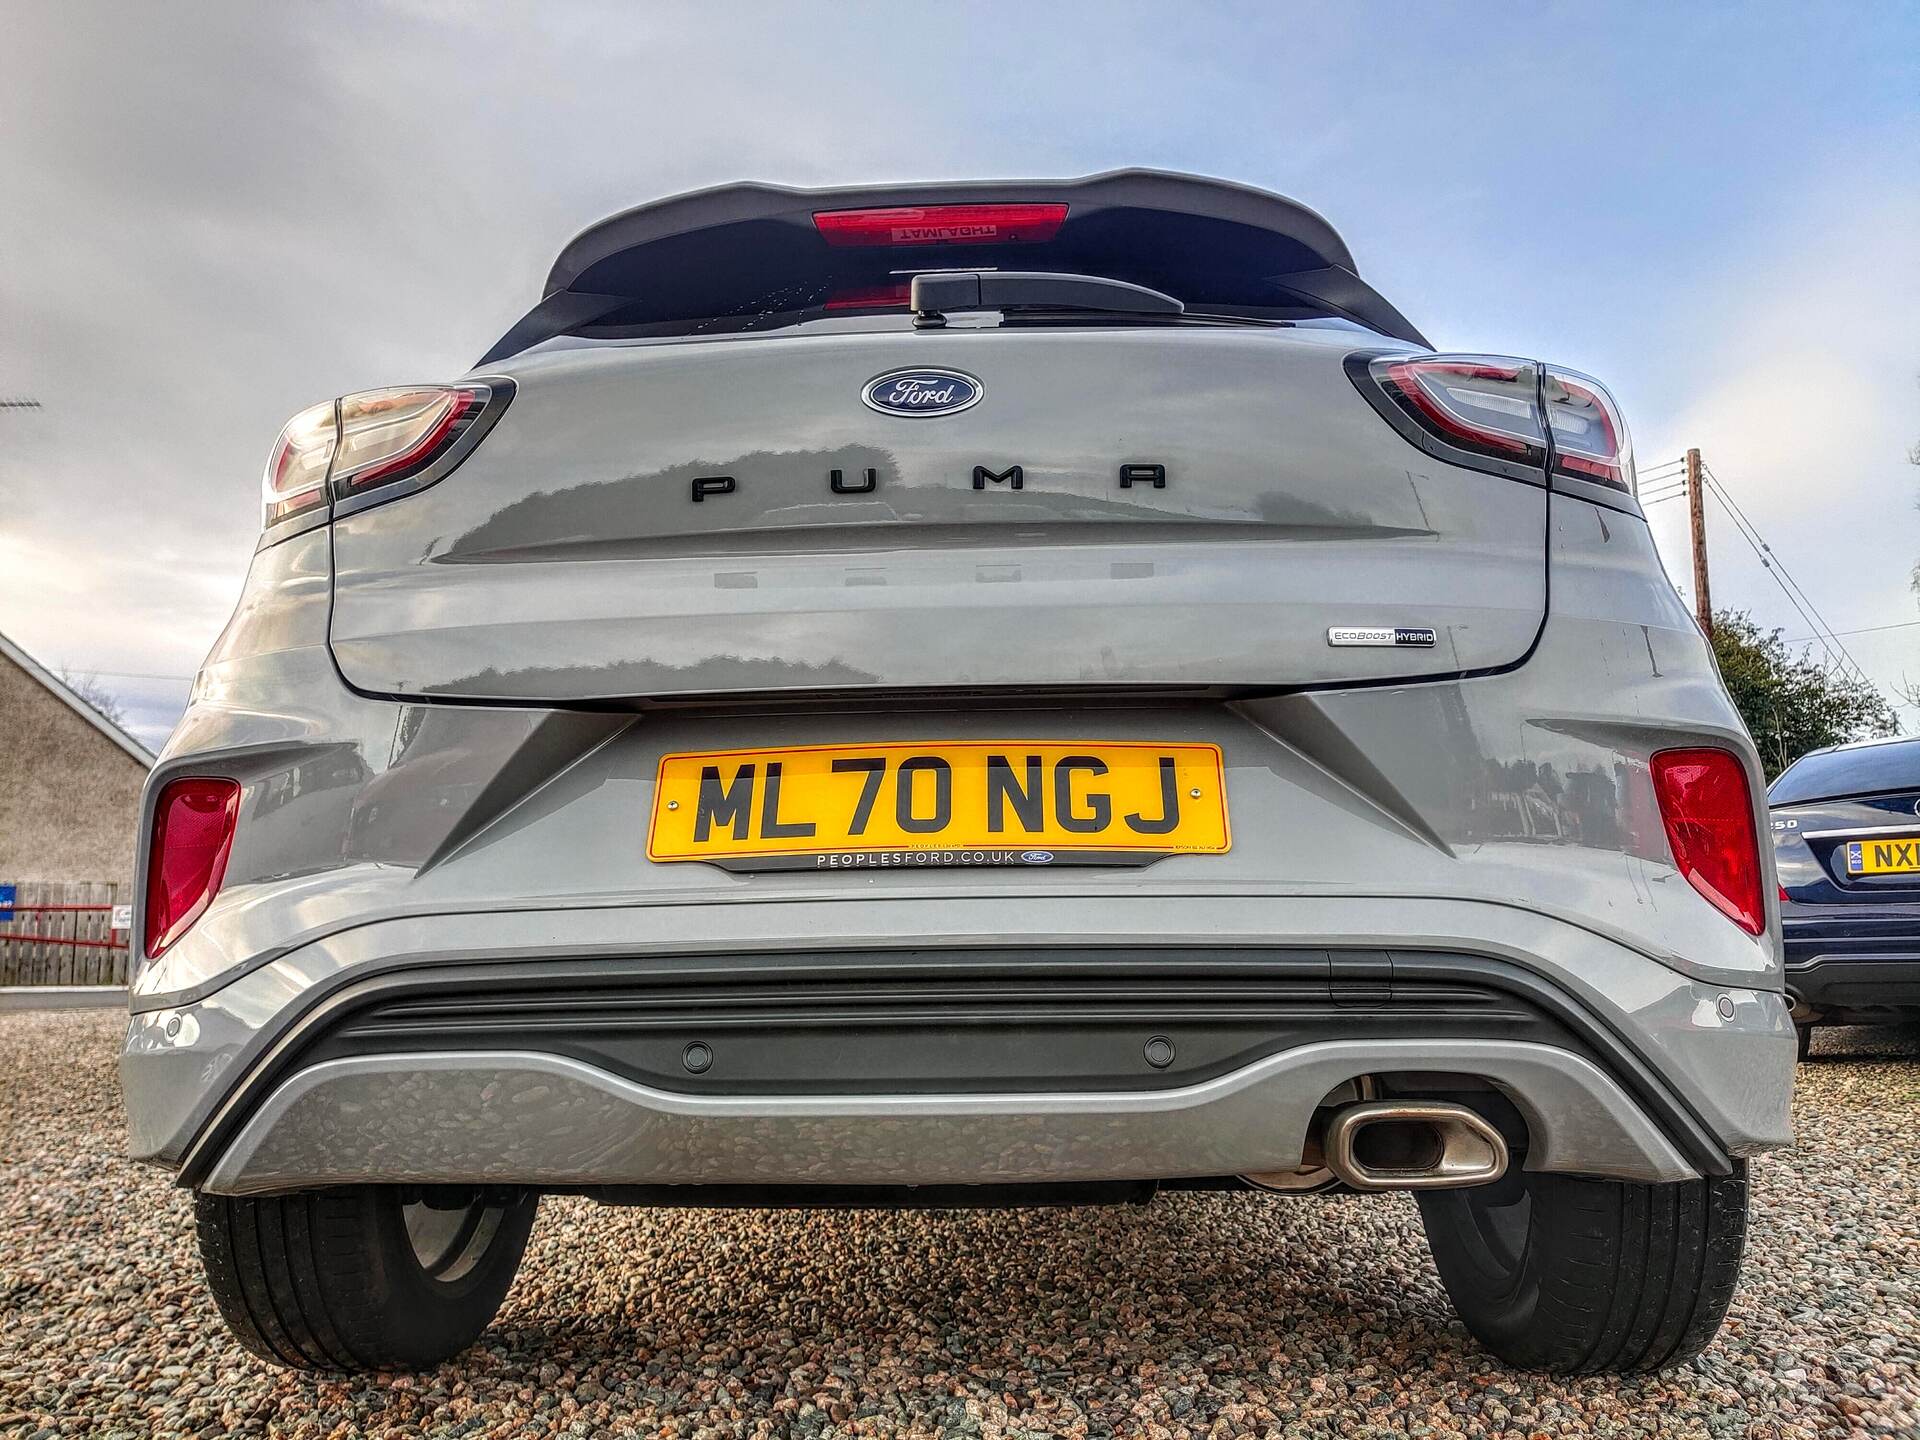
(1590, 439)
(387, 435)
(192, 835)
(1482, 404)
(1708, 813)
(941, 224)
(296, 478)
(386, 440)
(1489, 412)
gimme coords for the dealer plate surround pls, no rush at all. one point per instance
(935, 804)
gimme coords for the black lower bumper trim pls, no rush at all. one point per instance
(936, 1021)
(1890, 983)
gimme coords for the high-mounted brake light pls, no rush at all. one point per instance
(376, 440)
(1708, 814)
(193, 824)
(1491, 412)
(1012, 223)
(871, 297)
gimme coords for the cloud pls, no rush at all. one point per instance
(221, 213)
(1804, 399)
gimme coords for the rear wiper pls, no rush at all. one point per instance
(933, 297)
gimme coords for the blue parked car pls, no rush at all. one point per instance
(1846, 839)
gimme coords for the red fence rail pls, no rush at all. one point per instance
(57, 933)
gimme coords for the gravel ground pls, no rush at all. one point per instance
(1202, 1315)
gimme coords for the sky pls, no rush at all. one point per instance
(216, 216)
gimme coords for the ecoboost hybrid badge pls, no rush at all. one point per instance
(1418, 636)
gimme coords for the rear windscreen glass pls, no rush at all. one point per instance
(1866, 771)
(767, 268)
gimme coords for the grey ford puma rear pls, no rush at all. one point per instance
(960, 694)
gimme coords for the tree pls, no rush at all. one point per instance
(96, 695)
(1791, 703)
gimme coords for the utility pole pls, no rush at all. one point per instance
(1697, 528)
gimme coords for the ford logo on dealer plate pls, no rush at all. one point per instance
(922, 392)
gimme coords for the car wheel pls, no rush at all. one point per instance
(1803, 1039)
(1575, 1276)
(366, 1278)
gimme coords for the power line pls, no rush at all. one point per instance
(1784, 578)
(1653, 486)
(1792, 579)
(1863, 630)
(1763, 552)
(120, 674)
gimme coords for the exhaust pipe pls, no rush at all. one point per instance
(1799, 1011)
(1413, 1145)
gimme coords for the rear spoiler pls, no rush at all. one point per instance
(753, 249)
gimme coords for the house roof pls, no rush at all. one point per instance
(80, 707)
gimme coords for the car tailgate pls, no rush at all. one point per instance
(1183, 507)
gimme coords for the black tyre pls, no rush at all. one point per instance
(368, 1278)
(1803, 1039)
(1576, 1276)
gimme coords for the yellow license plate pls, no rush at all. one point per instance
(943, 803)
(1884, 857)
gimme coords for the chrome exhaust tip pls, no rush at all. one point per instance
(1413, 1145)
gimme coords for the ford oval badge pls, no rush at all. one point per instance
(922, 392)
(1037, 857)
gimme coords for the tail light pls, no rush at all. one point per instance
(376, 445)
(1708, 814)
(193, 825)
(296, 478)
(388, 435)
(1590, 440)
(941, 225)
(1511, 417)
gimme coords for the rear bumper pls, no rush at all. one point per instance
(338, 1064)
(1857, 984)
(1853, 964)
(543, 1119)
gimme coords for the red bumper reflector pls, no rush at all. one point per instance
(193, 827)
(1708, 813)
(941, 224)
